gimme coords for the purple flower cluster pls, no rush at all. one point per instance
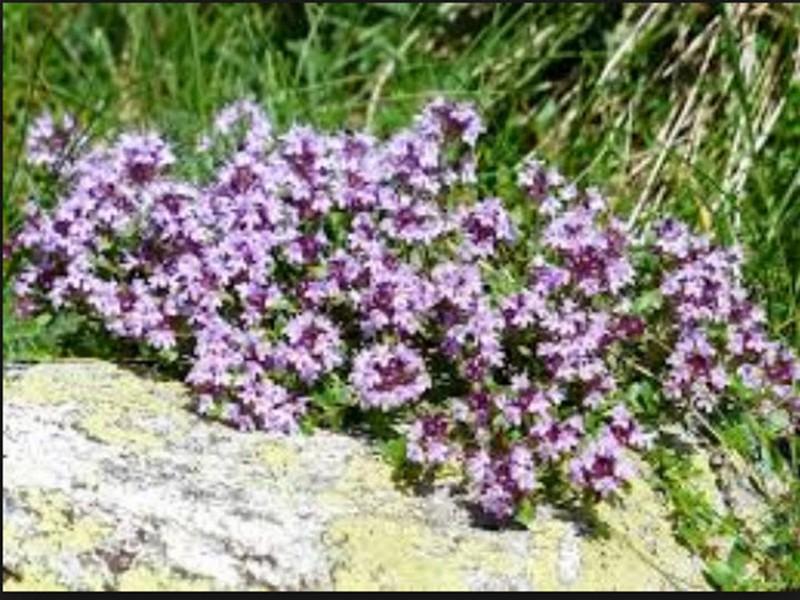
(565, 334)
(484, 226)
(501, 480)
(566, 323)
(49, 141)
(313, 346)
(388, 376)
(427, 440)
(306, 255)
(247, 269)
(245, 122)
(721, 335)
(602, 466)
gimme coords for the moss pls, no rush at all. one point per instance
(705, 480)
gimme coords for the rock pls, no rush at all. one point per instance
(110, 482)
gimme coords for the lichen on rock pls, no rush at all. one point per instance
(110, 482)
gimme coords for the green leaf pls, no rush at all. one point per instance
(649, 301)
(738, 559)
(394, 452)
(334, 394)
(526, 512)
(721, 574)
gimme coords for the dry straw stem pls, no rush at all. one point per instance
(648, 21)
(668, 135)
(385, 73)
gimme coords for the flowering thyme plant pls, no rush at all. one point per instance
(500, 334)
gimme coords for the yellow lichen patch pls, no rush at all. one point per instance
(543, 570)
(642, 533)
(41, 384)
(57, 527)
(10, 533)
(94, 383)
(34, 580)
(365, 472)
(145, 579)
(368, 472)
(125, 422)
(117, 430)
(383, 554)
(277, 456)
(392, 549)
(53, 531)
(616, 564)
(640, 553)
(602, 564)
(488, 557)
(368, 477)
(112, 404)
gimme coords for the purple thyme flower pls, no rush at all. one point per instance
(627, 430)
(389, 376)
(541, 183)
(484, 226)
(696, 375)
(313, 346)
(244, 116)
(500, 480)
(602, 467)
(49, 140)
(458, 285)
(554, 439)
(141, 157)
(427, 441)
(411, 220)
(395, 298)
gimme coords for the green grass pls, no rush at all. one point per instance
(693, 110)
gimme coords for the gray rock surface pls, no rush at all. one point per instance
(109, 482)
